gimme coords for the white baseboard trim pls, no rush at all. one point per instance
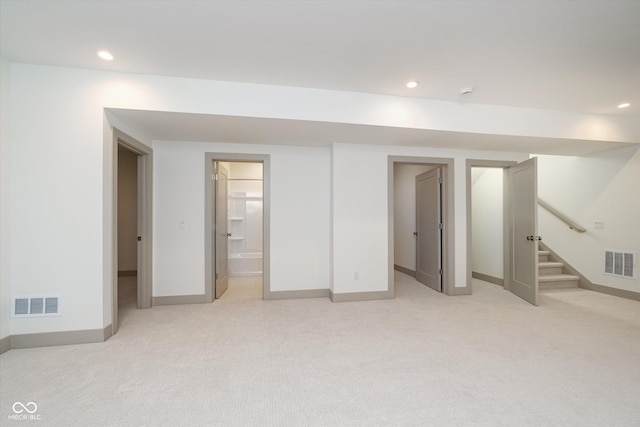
(361, 296)
(306, 293)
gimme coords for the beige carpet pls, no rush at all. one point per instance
(489, 359)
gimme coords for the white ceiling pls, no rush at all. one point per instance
(580, 56)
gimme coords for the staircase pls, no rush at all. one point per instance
(551, 274)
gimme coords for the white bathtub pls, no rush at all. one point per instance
(245, 264)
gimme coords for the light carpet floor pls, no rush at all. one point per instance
(421, 359)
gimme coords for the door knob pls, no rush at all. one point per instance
(530, 238)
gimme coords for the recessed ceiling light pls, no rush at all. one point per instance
(624, 105)
(105, 55)
(412, 84)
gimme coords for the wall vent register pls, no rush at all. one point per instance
(35, 306)
(619, 263)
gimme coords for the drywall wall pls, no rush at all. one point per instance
(57, 196)
(598, 187)
(487, 225)
(360, 219)
(360, 239)
(404, 213)
(5, 200)
(127, 210)
(61, 172)
(299, 211)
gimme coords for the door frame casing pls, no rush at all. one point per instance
(498, 164)
(145, 229)
(448, 216)
(209, 247)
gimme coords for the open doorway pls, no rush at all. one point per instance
(237, 227)
(502, 236)
(127, 261)
(405, 218)
(422, 246)
(132, 198)
(239, 201)
(487, 224)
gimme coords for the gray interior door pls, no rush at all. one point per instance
(521, 257)
(429, 229)
(221, 230)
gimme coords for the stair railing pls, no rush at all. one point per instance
(572, 225)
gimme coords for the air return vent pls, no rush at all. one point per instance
(36, 306)
(619, 263)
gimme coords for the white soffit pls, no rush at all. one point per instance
(169, 126)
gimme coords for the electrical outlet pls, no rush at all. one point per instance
(356, 276)
(598, 225)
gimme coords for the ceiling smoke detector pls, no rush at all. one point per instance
(466, 91)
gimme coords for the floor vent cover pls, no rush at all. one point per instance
(36, 306)
(619, 263)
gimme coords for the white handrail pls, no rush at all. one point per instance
(572, 225)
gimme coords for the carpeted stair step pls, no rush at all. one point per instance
(549, 268)
(557, 281)
(543, 256)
